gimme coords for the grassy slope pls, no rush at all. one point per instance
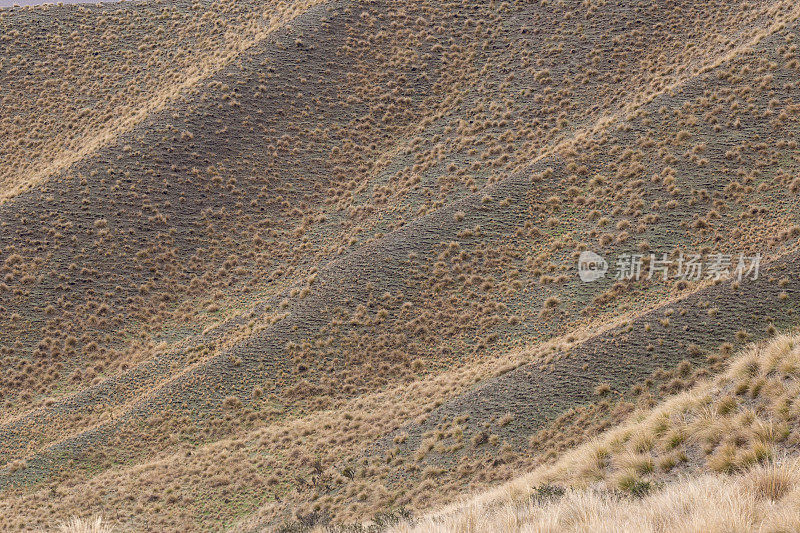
(77, 77)
(762, 499)
(268, 277)
(735, 435)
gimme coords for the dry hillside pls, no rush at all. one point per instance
(286, 264)
(719, 457)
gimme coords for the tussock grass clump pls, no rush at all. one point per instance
(81, 525)
(623, 480)
(229, 173)
(764, 499)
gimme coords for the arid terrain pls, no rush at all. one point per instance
(307, 265)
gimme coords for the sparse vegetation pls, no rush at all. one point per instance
(304, 263)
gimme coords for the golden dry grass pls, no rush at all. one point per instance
(61, 149)
(88, 525)
(762, 499)
(293, 190)
(737, 451)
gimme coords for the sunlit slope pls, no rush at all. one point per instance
(726, 450)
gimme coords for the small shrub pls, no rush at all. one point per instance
(602, 389)
(232, 402)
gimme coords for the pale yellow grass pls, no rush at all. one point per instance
(763, 499)
(80, 525)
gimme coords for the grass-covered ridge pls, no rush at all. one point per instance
(720, 456)
(313, 262)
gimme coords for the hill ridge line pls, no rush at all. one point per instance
(600, 124)
(606, 120)
(196, 74)
(498, 362)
